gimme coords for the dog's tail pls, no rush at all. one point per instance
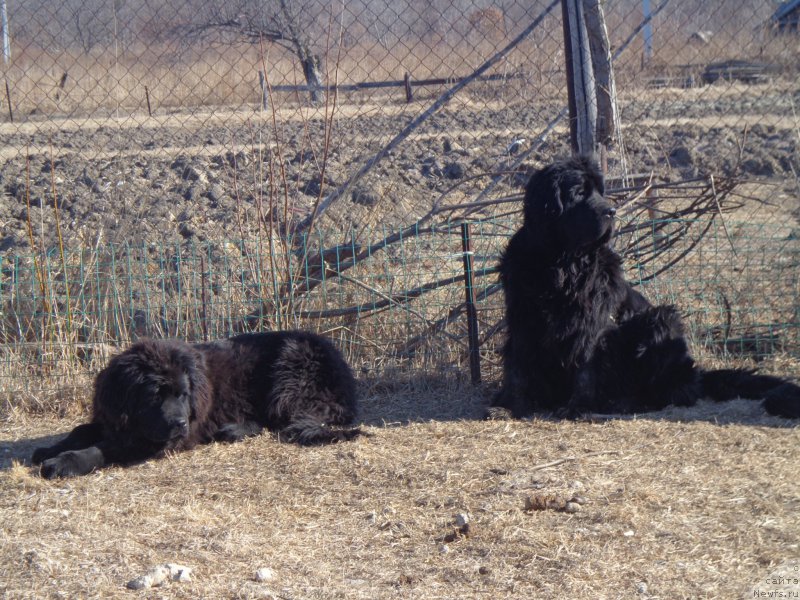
(311, 432)
(781, 397)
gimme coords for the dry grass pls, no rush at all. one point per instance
(676, 502)
(219, 77)
(105, 82)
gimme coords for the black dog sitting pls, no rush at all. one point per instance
(580, 338)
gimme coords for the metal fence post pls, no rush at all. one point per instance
(647, 32)
(472, 313)
(6, 36)
(262, 85)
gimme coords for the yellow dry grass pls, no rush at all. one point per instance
(689, 503)
(101, 82)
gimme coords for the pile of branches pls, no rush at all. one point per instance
(659, 225)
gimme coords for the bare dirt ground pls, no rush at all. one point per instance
(187, 175)
(698, 503)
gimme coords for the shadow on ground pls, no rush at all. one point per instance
(417, 399)
(421, 398)
(20, 450)
(431, 398)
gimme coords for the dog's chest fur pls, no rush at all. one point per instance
(586, 295)
(565, 302)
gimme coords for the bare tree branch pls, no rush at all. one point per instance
(285, 26)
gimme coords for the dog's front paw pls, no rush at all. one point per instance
(497, 413)
(66, 464)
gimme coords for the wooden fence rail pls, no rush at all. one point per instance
(407, 83)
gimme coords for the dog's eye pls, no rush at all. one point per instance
(576, 194)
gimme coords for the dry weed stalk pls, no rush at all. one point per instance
(31, 237)
(60, 238)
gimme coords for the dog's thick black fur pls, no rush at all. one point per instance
(170, 395)
(580, 338)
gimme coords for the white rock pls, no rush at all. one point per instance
(153, 578)
(515, 145)
(251, 589)
(179, 572)
(462, 519)
(158, 575)
(264, 574)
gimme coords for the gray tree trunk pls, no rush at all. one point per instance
(580, 74)
(311, 62)
(312, 71)
(606, 91)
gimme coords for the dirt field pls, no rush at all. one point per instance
(187, 175)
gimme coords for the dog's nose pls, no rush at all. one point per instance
(610, 211)
(180, 425)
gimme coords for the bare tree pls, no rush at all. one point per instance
(85, 24)
(288, 23)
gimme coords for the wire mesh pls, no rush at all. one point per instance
(393, 308)
(157, 159)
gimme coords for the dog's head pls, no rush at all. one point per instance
(148, 395)
(565, 208)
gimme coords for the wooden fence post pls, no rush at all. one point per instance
(605, 88)
(580, 79)
(590, 79)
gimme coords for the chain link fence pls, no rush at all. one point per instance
(194, 169)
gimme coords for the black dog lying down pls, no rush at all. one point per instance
(580, 338)
(169, 395)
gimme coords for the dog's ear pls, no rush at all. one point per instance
(543, 194)
(554, 205)
(112, 389)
